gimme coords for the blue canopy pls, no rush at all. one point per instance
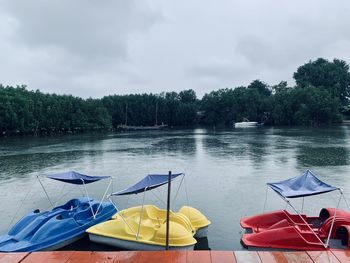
(75, 178)
(150, 182)
(303, 185)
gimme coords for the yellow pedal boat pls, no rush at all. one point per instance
(145, 227)
(128, 231)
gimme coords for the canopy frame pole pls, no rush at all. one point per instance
(153, 193)
(61, 194)
(141, 213)
(265, 202)
(334, 216)
(104, 195)
(115, 206)
(296, 211)
(19, 208)
(302, 205)
(185, 186)
(346, 202)
(87, 195)
(47, 195)
(188, 201)
(178, 189)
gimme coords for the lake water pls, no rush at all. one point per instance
(226, 170)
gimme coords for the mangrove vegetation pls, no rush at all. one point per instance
(320, 96)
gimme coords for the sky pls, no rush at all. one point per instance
(95, 48)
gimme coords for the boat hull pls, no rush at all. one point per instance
(281, 230)
(64, 243)
(248, 124)
(133, 245)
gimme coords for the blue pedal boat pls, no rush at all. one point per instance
(50, 230)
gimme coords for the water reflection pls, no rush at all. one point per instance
(258, 148)
(177, 145)
(19, 166)
(322, 156)
(242, 144)
(216, 147)
(202, 244)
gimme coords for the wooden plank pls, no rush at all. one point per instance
(222, 257)
(333, 256)
(202, 256)
(322, 256)
(273, 257)
(154, 256)
(247, 257)
(127, 257)
(12, 257)
(342, 255)
(285, 257)
(86, 256)
(52, 257)
(177, 256)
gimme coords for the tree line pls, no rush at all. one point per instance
(320, 96)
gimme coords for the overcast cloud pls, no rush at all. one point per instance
(96, 48)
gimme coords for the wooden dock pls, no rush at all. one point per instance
(334, 256)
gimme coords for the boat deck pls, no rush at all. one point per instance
(334, 256)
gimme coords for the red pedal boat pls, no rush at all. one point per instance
(282, 230)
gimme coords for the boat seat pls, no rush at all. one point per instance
(279, 224)
(146, 232)
(84, 216)
(83, 207)
(316, 223)
(64, 215)
(71, 204)
(342, 234)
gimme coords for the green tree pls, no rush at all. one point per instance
(332, 76)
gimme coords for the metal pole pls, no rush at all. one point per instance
(120, 213)
(141, 213)
(45, 191)
(168, 212)
(87, 195)
(302, 206)
(178, 189)
(104, 195)
(267, 188)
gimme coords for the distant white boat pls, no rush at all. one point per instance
(245, 124)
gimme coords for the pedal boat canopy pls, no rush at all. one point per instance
(303, 185)
(150, 182)
(72, 177)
